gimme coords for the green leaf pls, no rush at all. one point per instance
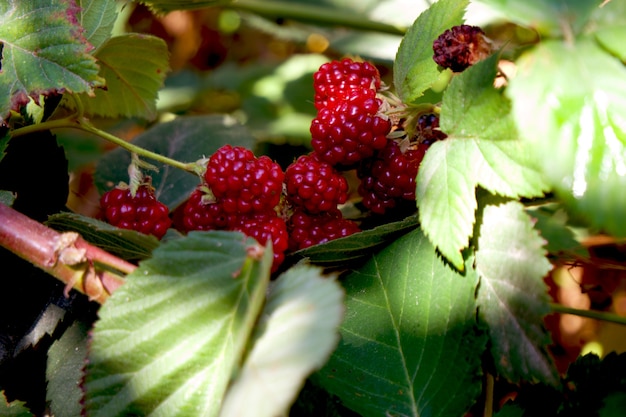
(126, 244)
(299, 332)
(14, 408)
(169, 339)
(134, 67)
(548, 17)
(410, 344)
(358, 246)
(43, 53)
(612, 38)
(570, 101)
(512, 296)
(552, 224)
(165, 6)
(187, 138)
(482, 149)
(97, 17)
(414, 69)
(66, 358)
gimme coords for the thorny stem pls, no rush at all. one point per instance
(596, 315)
(65, 256)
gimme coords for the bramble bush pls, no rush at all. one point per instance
(264, 208)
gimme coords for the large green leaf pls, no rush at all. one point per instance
(549, 17)
(512, 296)
(569, 100)
(483, 149)
(134, 67)
(187, 138)
(43, 52)
(97, 17)
(169, 339)
(299, 331)
(414, 69)
(410, 344)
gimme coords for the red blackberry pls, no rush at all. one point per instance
(314, 185)
(242, 182)
(428, 129)
(307, 229)
(460, 47)
(143, 212)
(338, 77)
(390, 176)
(349, 129)
(263, 227)
(201, 212)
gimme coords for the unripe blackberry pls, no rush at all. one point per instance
(390, 176)
(460, 47)
(314, 185)
(349, 129)
(201, 212)
(338, 77)
(263, 227)
(142, 213)
(307, 229)
(242, 182)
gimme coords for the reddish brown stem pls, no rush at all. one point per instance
(66, 256)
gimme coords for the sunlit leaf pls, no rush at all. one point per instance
(186, 139)
(169, 339)
(414, 70)
(299, 331)
(410, 344)
(134, 67)
(66, 358)
(569, 103)
(44, 52)
(97, 17)
(512, 296)
(482, 149)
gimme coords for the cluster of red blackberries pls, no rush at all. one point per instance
(299, 207)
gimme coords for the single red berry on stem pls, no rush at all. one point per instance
(314, 185)
(201, 212)
(336, 78)
(306, 229)
(264, 227)
(142, 213)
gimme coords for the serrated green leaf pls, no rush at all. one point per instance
(126, 244)
(187, 139)
(43, 53)
(165, 6)
(169, 339)
(97, 17)
(357, 246)
(552, 224)
(548, 17)
(14, 408)
(512, 296)
(414, 69)
(134, 67)
(410, 344)
(299, 331)
(482, 149)
(66, 358)
(570, 101)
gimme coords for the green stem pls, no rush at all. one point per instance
(596, 315)
(85, 125)
(313, 14)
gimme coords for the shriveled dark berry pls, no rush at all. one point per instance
(460, 47)
(338, 77)
(142, 213)
(204, 213)
(307, 229)
(314, 185)
(350, 128)
(242, 182)
(264, 227)
(428, 129)
(390, 176)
